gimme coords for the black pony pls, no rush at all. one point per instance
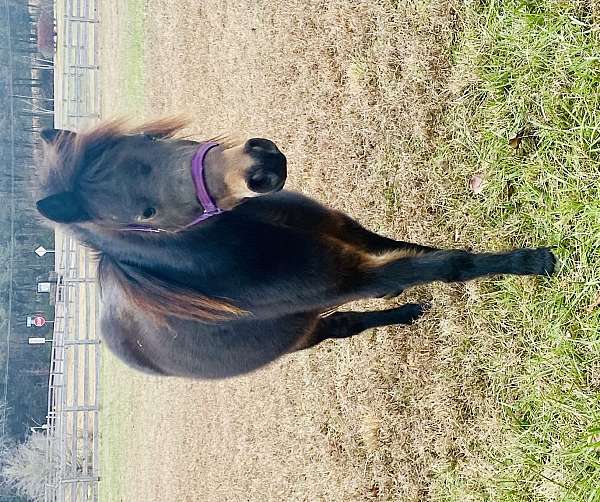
(202, 278)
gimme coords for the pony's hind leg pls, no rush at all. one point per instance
(347, 324)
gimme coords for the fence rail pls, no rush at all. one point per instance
(77, 90)
(73, 392)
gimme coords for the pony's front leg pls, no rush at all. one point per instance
(453, 266)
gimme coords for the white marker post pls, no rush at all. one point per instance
(36, 341)
(43, 287)
(41, 251)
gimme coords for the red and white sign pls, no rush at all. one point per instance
(38, 321)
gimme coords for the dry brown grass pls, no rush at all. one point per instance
(351, 92)
(342, 86)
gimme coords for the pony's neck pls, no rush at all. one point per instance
(163, 252)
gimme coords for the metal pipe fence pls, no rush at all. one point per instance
(74, 394)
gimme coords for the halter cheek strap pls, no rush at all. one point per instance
(208, 204)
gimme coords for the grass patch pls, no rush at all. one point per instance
(117, 383)
(116, 397)
(133, 25)
(530, 71)
(494, 394)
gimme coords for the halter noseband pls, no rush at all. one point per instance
(208, 204)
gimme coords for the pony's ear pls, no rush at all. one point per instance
(63, 208)
(52, 135)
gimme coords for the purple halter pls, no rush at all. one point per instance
(208, 204)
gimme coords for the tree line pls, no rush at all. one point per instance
(26, 106)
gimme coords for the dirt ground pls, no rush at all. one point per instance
(351, 92)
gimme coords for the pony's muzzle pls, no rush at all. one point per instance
(269, 170)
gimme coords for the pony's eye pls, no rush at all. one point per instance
(148, 213)
(145, 169)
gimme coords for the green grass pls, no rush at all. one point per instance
(117, 395)
(132, 64)
(531, 66)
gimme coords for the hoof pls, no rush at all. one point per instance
(413, 311)
(539, 261)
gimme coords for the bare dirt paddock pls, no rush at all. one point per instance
(352, 92)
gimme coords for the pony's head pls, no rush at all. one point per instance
(120, 178)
